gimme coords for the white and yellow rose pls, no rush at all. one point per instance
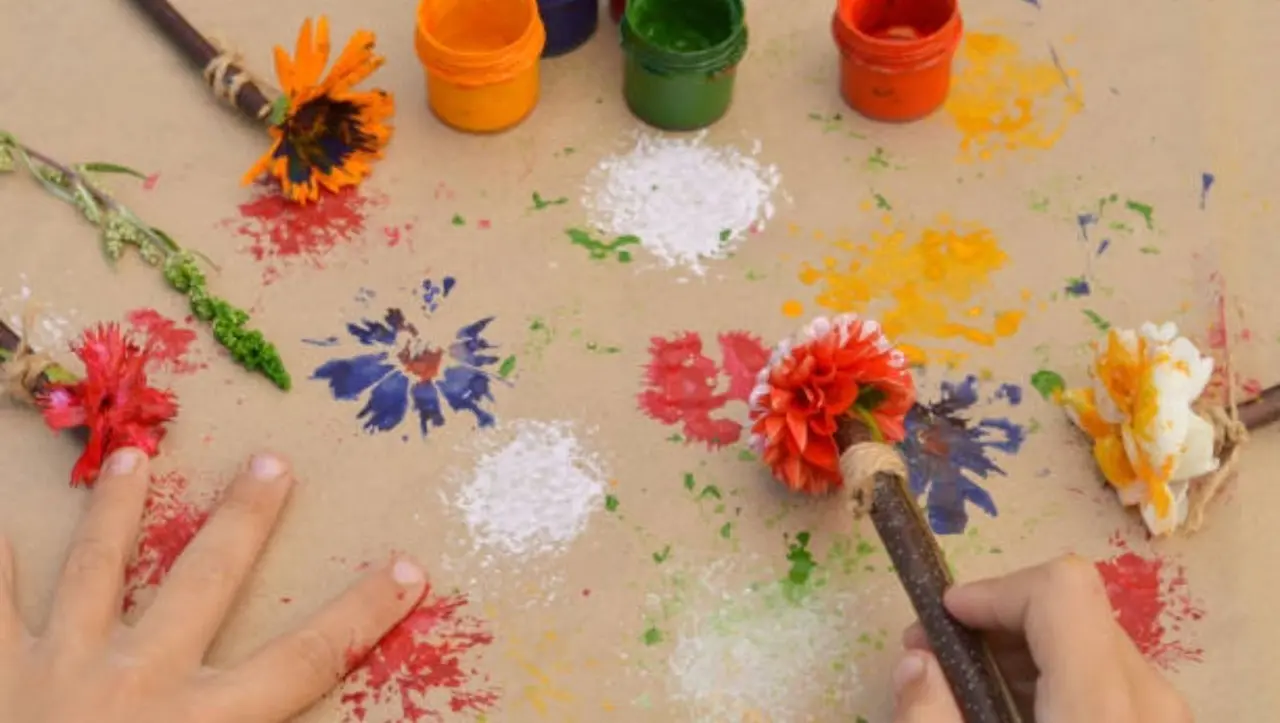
(1147, 439)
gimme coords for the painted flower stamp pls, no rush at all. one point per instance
(948, 452)
(405, 368)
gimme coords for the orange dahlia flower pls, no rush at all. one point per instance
(837, 368)
(326, 133)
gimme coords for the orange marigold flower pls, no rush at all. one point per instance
(326, 134)
(837, 368)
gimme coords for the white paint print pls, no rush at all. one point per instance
(533, 495)
(761, 656)
(685, 200)
(54, 330)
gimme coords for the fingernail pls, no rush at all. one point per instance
(909, 672)
(266, 467)
(121, 462)
(407, 573)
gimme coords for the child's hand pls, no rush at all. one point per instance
(87, 666)
(1057, 642)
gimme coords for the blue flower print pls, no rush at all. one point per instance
(408, 371)
(947, 453)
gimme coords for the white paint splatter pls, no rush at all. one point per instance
(533, 495)
(685, 200)
(54, 330)
(760, 655)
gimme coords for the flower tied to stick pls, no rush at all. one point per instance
(837, 371)
(1139, 410)
(326, 133)
(113, 401)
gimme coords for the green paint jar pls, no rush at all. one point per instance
(681, 60)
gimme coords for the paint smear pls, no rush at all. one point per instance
(1153, 604)
(1002, 100)
(948, 452)
(425, 667)
(171, 344)
(687, 388)
(170, 519)
(534, 494)
(282, 233)
(919, 287)
(760, 654)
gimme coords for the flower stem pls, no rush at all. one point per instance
(196, 48)
(121, 227)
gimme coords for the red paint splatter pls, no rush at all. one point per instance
(420, 666)
(1152, 603)
(169, 521)
(171, 344)
(682, 382)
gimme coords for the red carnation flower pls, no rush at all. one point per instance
(841, 367)
(113, 401)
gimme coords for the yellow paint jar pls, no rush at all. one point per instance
(481, 60)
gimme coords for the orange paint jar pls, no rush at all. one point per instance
(896, 55)
(481, 60)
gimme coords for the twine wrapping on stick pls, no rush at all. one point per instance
(876, 479)
(222, 70)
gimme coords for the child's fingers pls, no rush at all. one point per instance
(294, 671)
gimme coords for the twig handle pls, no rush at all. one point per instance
(249, 98)
(977, 683)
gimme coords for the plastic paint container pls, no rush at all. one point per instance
(681, 60)
(616, 8)
(481, 60)
(896, 55)
(569, 24)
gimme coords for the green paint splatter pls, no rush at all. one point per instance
(508, 366)
(458, 220)
(1143, 209)
(662, 556)
(1048, 382)
(1097, 320)
(652, 636)
(540, 203)
(611, 503)
(726, 530)
(882, 203)
(599, 250)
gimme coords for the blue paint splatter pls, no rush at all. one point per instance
(1102, 247)
(946, 453)
(1206, 182)
(410, 373)
(1077, 287)
(1084, 221)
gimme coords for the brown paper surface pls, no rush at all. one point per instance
(668, 607)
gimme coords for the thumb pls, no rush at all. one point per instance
(920, 691)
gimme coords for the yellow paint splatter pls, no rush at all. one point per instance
(1001, 100)
(920, 287)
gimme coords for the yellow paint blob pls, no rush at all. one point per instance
(1003, 101)
(920, 287)
(792, 308)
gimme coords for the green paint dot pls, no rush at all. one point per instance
(1048, 382)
